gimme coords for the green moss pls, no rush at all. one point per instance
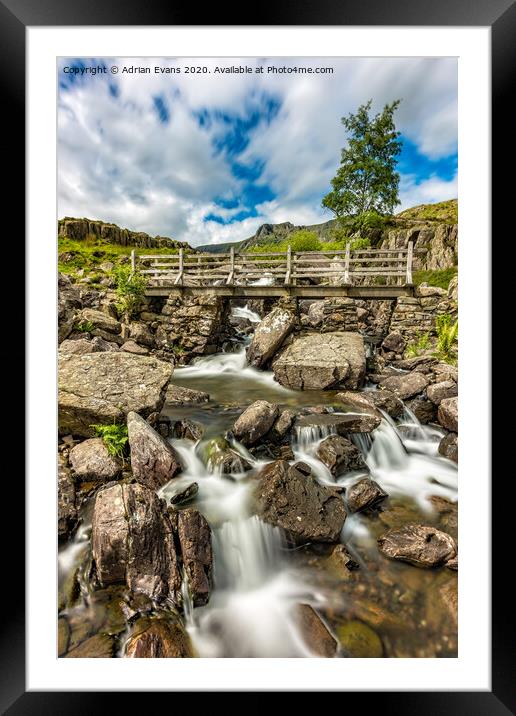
(439, 278)
(359, 640)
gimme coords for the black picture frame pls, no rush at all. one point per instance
(500, 15)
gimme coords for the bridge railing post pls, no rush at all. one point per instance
(410, 254)
(179, 277)
(289, 265)
(231, 265)
(347, 257)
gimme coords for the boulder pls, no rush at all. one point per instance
(424, 410)
(394, 342)
(91, 461)
(406, 385)
(67, 515)
(319, 362)
(100, 320)
(288, 497)
(178, 395)
(158, 639)
(420, 545)
(104, 387)
(448, 414)
(453, 288)
(444, 372)
(255, 422)
(340, 455)
(340, 423)
(282, 425)
(140, 333)
(132, 541)
(80, 346)
(423, 364)
(194, 535)
(135, 349)
(153, 460)
(371, 400)
(365, 494)
(188, 429)
(314, 632)
(438, 392)
(269, 335)
(449, 447)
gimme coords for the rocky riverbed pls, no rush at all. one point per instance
(288, 487)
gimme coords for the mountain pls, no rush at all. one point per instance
(93, 230)
(444, 212)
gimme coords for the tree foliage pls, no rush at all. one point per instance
(366, 180)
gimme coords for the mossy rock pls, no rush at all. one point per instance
(359, 641)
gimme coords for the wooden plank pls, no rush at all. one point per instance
(408, 278)
(238, 291)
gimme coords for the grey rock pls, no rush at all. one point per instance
(419, 545)
(440, 391)
(314, 632)
(269, 335)
(340, 455)
(188, 429)
(100, 320)
(196, 552)
(406, 385)
(153, 460)
(394, 342)
(296, 502)
(178, 395)
(449, 447)
(448, 414)
(188, 493)
(255, 422)
(135, 349)
(91, 461)
(67, 515)
(341, 423)
(132, 541)
(330, 360)
(364, 495)
(424, 410)
(104, 387)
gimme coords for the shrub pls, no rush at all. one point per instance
(440, 278)
(84, 327)
(113, 436)
(447, 338)
(369, 220)
(303, 241)
(130, 289)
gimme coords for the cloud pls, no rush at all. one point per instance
(208, 160)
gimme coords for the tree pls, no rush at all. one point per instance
(366, 180)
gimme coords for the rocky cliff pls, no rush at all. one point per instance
(81, 229)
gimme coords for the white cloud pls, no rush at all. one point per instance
(117, 162)
(428, 191)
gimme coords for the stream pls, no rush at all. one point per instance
(382, 608)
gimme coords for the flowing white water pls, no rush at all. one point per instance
(245, 312)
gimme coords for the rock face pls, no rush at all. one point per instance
(314, 632)
(177, 395)
(100, 320)
(405, 386)
(132, 541)
(158, 639)
(195, 540)
(419, 545)
(68, 303)
(153, 460)
(340, 455)
(341, 423)
(365, 494)
(448, 414)
(269, 335)
(288, 497)
(331, 360)
(104, 387)
(80, 229)
(91, 460)
(255, 422)
(67, 516)
(80, 346)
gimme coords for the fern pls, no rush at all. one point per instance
(416, 348)
(447, 338)
(114, 437)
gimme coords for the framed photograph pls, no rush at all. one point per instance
(250, 248)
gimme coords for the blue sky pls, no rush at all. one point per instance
(206, 158)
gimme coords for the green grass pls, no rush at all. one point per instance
(419, 346)
(90, 253)
(440, 278)
(445, 212)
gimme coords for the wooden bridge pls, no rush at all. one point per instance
(362, 273)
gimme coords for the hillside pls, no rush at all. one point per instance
(444, 212)
(90, 230)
